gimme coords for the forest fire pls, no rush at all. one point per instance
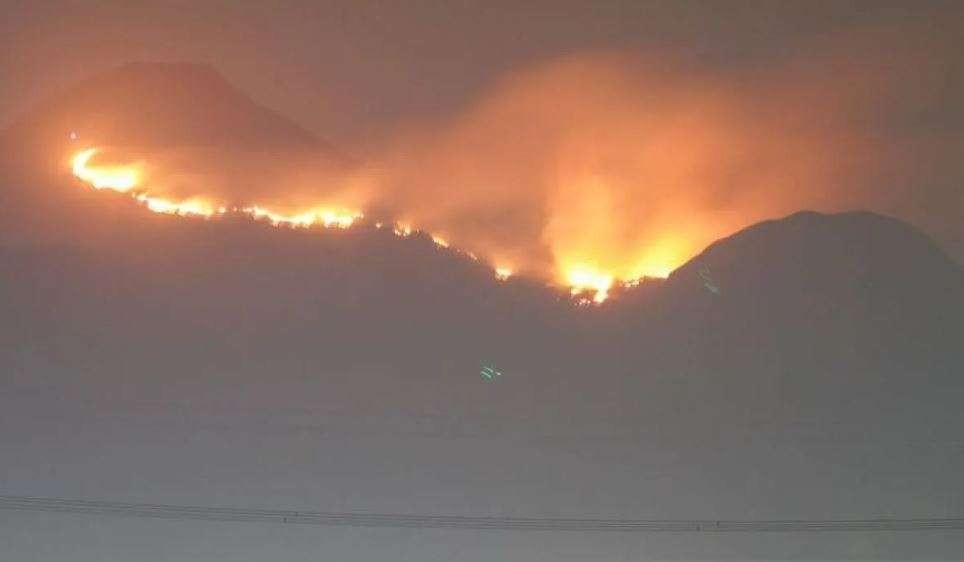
(128, 179)
(582, 278)
(329, 218)
(117, 178)
(602, 191)
(503, 273)
(585, 261)
(194, 207)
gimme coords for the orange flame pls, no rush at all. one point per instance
(329, 218)
(195, 207)
(591, 171)
(503, 273)
(584, 278)
(118, 178)
(128, 178)
(403, 229)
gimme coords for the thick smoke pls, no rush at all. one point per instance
(606, 165)
(618, 164)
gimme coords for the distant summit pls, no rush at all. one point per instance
(154, 110)
(830, 255)
(853, 288)
(161, 105)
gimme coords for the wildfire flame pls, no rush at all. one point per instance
(590, 171)
(329, 218)
(118, 178)
(503, 273)
(195, 207)
(129, 179)
(584, 278)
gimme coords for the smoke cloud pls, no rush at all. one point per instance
(610, 166)
(619, 165)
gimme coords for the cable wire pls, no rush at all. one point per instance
(202, 513)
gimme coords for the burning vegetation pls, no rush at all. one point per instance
(588, 172)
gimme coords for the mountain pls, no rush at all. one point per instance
(825, 320)
(159, 105)
(185, 115)
(809, 317)
(192, 361)
(883, 280)
(806, 367)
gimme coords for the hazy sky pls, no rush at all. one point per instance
(359, 72)
(344, 67)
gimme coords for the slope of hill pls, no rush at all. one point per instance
(785, 320)
(884, 282)
(828, 321)
(200, 359)
(187, 116)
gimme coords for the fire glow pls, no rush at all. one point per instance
(590, 172)
(117, 178)
(127, 179)
(503, 273)
(329, 218)
(583, 278)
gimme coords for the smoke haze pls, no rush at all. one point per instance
(591, 168)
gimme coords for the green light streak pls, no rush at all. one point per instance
(708, 282)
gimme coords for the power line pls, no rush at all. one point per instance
(201, 513)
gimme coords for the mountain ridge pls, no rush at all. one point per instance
(161, 104)
(809, 312)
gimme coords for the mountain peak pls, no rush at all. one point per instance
(152, 104)
(809, 243)
(826, 255)
(826, 278)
